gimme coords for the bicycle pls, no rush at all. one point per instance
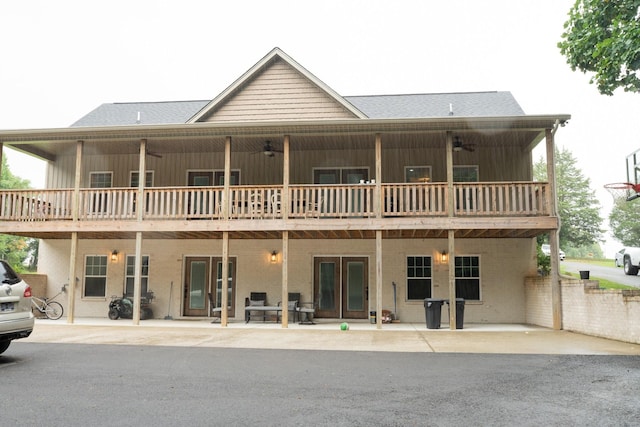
(47, 306)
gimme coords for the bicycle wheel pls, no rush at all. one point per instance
(53, 310)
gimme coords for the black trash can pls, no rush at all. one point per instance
(584, 274)
(433, 312)
(459, 312)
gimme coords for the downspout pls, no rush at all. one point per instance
(556, 291)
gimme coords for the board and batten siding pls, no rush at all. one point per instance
(279, 93)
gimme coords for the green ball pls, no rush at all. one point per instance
(344, 326)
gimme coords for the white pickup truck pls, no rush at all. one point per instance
(629, 258)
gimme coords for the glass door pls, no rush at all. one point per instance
(355, 288)
(196, 285)
(231, 289)
(326, 286)
(341, 287)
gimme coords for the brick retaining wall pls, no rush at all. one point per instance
(613, 314)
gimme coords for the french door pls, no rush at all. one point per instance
(199, 283)
(341, 287)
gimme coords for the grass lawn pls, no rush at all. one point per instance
(606, 284)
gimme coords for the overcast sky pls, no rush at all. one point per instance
(61, 59)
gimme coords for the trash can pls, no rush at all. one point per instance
(459, 312)
(433, 312)
(584, 274)
(372, 317)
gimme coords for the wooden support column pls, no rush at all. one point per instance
(137, 283)
(451, 233)
(452, 279)
(71, 297)
(377, 199)
(71, 304)
(285, 205)
(378, 279)
(285, 279)
(1, 148)
(226, 211)
(226, 202)
(224, 303)
(137, 275)
(556, 290)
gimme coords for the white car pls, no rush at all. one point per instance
(546, 249)
(16, 319)
(619, 258)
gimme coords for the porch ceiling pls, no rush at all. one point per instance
(523, 131)
(298, 234)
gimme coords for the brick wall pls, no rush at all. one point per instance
(613, 314)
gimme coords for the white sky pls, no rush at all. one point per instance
(62, 59)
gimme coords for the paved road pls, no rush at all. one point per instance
(615, 274)
(124, 385)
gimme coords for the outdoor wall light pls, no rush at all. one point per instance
(114, 255)
(444, 257)
(273, 257)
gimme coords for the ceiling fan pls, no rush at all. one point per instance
(268, 149)
(458, 145)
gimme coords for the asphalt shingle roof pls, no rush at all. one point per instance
(151, 113)
(467, 104)
(464, 104)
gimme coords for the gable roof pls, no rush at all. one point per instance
(259, 68)
(257, 95)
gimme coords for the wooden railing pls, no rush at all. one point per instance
(266, 202)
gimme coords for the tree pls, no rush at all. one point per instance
(624, 223)
(603, 37)
(14, 249)
(578, 207)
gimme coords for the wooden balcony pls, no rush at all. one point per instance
(357, 201)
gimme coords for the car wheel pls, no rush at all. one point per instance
(4, 345)
(630, 269)
(113, 314)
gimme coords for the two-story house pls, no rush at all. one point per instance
(280, 184)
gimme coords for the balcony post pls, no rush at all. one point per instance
(377, 199)
(451, 233)
(227, 180)
(285, 205)
(224, 283)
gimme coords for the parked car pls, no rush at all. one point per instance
(546, 249)
(619, 258)
(16, 319)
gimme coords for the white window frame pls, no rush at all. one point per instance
(147, 174)
(105, 265)
(95, 173)
(408, 169)
(430, 278)
(478, 277)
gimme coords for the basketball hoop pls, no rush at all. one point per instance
(623, 191)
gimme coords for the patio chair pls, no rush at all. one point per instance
(216, 312)
(275, 205)
(292, 304)
(258, 299)
(308, 309)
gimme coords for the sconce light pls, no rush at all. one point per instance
(114, 255)
(273, 257)
(444, 257)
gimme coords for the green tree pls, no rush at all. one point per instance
(15, 249)
(603, 37)
(624, 223)
(578, 207)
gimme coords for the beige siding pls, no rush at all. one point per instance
(503, 296)
(279, 93)
(507, 164)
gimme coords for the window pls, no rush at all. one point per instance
(418, 277)
(468, 277)
(130, 271)
(340, 175)
(101, 179)
(413, 174)
(465, 174)
(134, 179)
(95, 276)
